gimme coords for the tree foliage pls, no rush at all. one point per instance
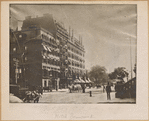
(98, 74)
(119, 72)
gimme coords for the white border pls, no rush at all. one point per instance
(138, 111)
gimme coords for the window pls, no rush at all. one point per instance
(14, 49)
(48, 61)
(20, 36)
(25, 58)
(25, 47)
(45, 83)
(14, 59)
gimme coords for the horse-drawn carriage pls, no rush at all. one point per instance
(75, 88)
(31, 96)
(78, 85)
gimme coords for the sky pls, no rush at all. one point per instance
(109, 31)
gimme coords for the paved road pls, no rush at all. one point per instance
(64, 97)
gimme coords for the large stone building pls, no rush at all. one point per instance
(49, 55)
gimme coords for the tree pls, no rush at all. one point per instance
(119, 73)
(112, 75)
(98, 74)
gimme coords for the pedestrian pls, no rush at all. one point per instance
(83, 88)
(108, 90)
(40, 90)
(103, 88)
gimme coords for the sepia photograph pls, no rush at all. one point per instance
(73, 54)
(74, 60)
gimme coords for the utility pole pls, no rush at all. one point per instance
(131, 59)
(135, 56)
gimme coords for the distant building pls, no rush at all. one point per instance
(76, 54)
(47, 53)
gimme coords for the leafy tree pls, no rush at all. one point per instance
(112, 75)
(119, 73)
(98, 74)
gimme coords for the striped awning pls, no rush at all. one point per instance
(49, 49)
(76, 81)
(44, 56)
(81, 80)
(89, 80)
(44, 47)
(48, 69)
(57, 50)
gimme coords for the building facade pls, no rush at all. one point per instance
(49, 55)
(39, 57)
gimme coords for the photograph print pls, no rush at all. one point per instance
(72, 53)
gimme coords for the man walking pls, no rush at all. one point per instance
(103, 88)
(108, 90)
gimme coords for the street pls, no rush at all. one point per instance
(62, 96)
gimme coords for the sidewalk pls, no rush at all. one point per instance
(62, 96)
(103, 97)
(115, 100)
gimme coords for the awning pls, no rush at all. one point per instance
(89, 80)
(44, 47)
(57, 71)
(69, 61)
(49, 69)
(44, 56)
(81, 80)
(57, 50)
(76, 81)
(49, 49)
